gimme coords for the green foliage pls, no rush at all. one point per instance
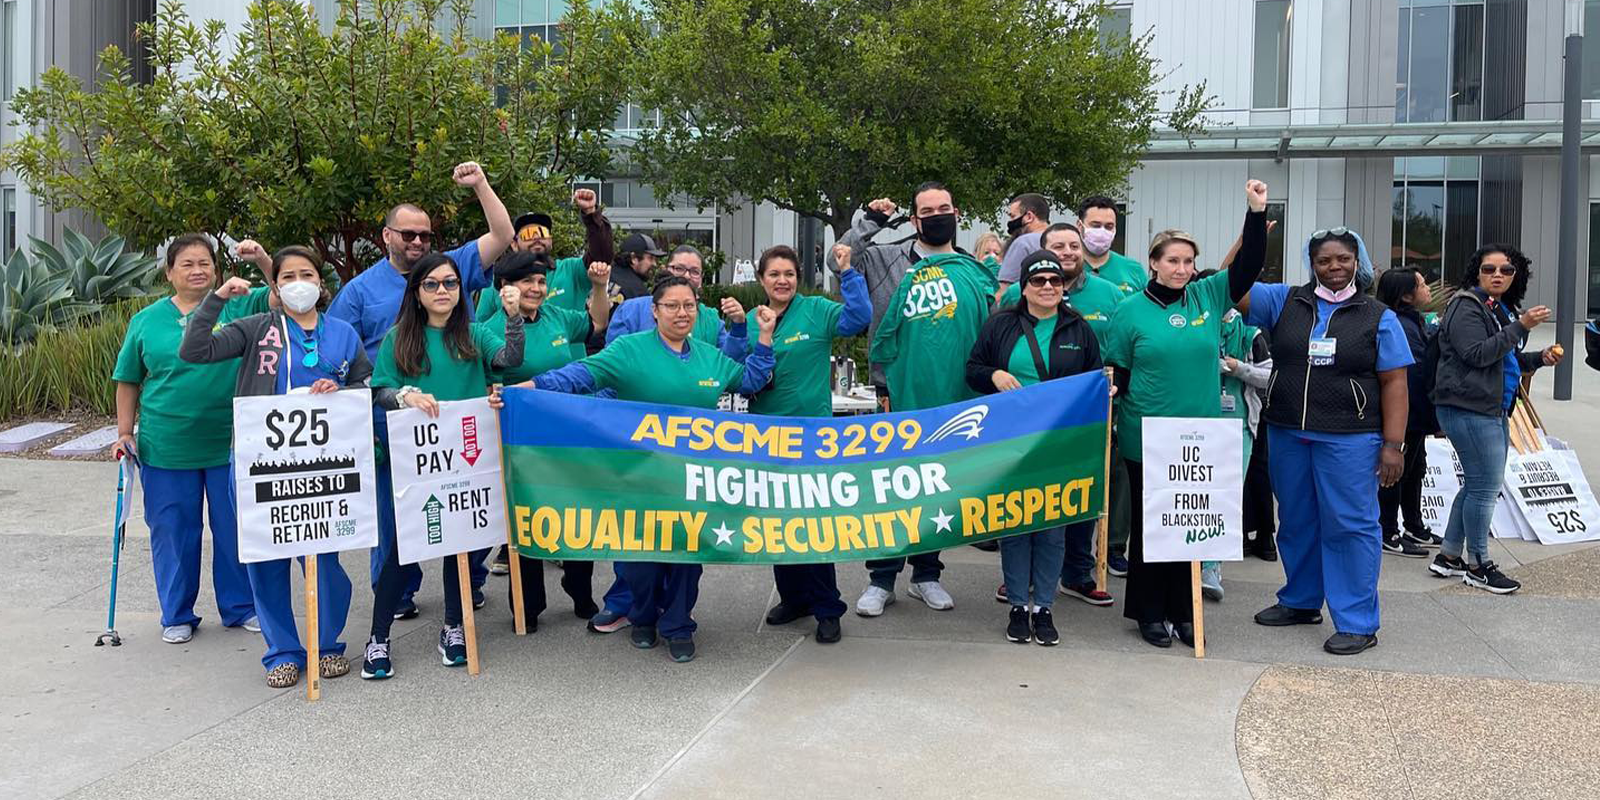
(34, 299)
(98, 272)
(66, 369)
(297, 136)
(819, 107)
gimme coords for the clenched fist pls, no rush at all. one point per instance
(469, 174)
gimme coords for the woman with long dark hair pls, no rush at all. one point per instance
(1404, 291)
(433, 353)
(1481, 364)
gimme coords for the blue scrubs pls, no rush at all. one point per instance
(1329, 536)
(173, 510)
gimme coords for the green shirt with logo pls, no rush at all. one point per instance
(547, 340)
(566, 286)
(929, 326)
(1021, 364)
(1171, 357)
(443, 375)
(1097, 299)
(641, 367)
(1237, 341)
(802, 344)
(1126, 274)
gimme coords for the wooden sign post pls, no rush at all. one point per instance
(313, 651)
(1199, 610)
(1102, 529)
(467, 621)
(513, 558)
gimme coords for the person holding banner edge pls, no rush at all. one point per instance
(803, 335)
(292, 349)
(434, 353)
(663, 366)
(1009, 354)
(1163, 346)
(1336, 422)
(184, 413)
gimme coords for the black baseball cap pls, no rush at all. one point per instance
(641, 243)
(535, 225)
(1042, 261)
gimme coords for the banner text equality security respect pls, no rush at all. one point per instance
(606, 479)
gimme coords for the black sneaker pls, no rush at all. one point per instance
(1279, 615)
(1044, 628)
(785, 613)
(477, 599)
(453, 646)
(1423, 538)
(1447, 566)
(1117, 565)
(1018, 630)
(407, 610)
(828, 631)
(643, 636)
(681, 650)
(1348, 644)
(1401, 546)
(502, 562)
(375, 665)
(1488, 577)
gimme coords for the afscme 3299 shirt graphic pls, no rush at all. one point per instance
(928, 328)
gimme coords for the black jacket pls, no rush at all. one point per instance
(1420, 420)
(1473, 343)
(1073, 349)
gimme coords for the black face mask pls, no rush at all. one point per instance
(938, 229)
(1013, 225)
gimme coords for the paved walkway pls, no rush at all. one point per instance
(913, 704)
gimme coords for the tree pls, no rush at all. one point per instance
(301, 136)
(819, 107)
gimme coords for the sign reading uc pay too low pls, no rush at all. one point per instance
(449, 496)
(1193, 489)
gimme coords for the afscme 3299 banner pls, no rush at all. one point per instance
(593, 479)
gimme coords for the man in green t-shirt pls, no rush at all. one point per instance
(1090, 295)
(567, 284)
(1098, 217)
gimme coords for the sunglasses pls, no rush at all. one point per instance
(1041, 281)
(432, 286)
(410, 236)
(1489, 269)
(1326, 232)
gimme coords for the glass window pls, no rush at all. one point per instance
(608, 194)
(1430, 64)
(1119, 242)
(1594, 257)
(1437, 213)
(1460, 225)
(8, 222)
(1402, 81)
(1424, 227)
(1272, 54)
(641, 195)
(1273, 273)
(1591, 53)
(507, 12)
(1439, 70)
(8, 47)
(1117, 25)
(1466, 64)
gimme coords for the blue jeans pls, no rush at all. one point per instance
(924, 567)
(1480, 441)
(1077, 566)
(1032, 559)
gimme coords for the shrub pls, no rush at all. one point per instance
(66, 369)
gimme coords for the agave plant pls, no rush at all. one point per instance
(34, 299)
(97, 272)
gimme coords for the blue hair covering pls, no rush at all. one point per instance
(1364, 274)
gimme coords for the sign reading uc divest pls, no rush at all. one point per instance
(303, 474)
(448, 495)
(606, 479)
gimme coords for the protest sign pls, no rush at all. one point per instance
(303, 472)
(1441, 481)
(448, 494)
(598, 479)
(1552, 496)
(1193, 489)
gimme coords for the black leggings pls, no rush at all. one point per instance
(1404, 499)
(576, 580)
(392, 584)
(1156, 591)
(1260, 513)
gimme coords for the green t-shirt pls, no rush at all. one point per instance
(802, 343)
(1126, 274)
(1237, 339)
(567, 286)
(547, 341)
(929, 327)
(1097, 299)
(185, 410)
(444, 376)
(1021, 365)
(641, 367)
(1171, 356)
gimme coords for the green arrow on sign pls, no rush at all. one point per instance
(435, 528)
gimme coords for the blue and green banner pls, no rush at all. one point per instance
(606, 479)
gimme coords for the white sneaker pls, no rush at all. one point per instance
(873, 601)
(177, 634)
(253, 624)
(933, 594)
(1211, 582)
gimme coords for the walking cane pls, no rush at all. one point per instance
(124, 463)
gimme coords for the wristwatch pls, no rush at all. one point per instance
(400, 396)
(1399, 447)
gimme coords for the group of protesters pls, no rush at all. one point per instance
(1336, 388)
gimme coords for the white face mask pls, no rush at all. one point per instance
(300, 296)
(1098, 240)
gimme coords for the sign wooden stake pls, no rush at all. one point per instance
(1102, 529)
(467, 622)
(313, 653)
(512, 557)
(1199, 610)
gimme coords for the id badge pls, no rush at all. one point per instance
(1322, 351)
(1227, 403)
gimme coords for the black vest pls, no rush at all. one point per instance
(1337, 397)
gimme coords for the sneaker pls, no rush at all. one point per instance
(177, 634)
(407, 610)
(1447, 566)
(333, 666)
(643, 636)
(1155, 633)
(1117, 565)
(375, 661)
(253, 624)
(1019, 629)
(681, 650)
(477, 599)
(1279, 615)
(873, 601)
(784, 613)
(1423, 539)
(1211, 582)
(828, 631)
(1044, 628)
(283, 676)
(1488, 577)
(1087, 593)
(1401, 546)
(502, 563)
(933, 594)
(1348, 644)
(1000, 595)
(452, 646)
(607, 622)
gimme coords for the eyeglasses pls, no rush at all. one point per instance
(1505, 269)
(685, 272)
(410, 236)
(1326, 232)
(1041, 281)
(675, 308)
(432, 286)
